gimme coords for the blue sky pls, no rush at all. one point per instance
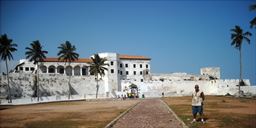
(179, 36)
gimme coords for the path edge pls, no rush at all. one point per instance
(110, 125)
(183, 124)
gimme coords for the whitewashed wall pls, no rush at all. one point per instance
(50, 84)
(185, 88)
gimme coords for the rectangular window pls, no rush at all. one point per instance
(21, 68)
(126, 65)
(146, 72)
(84, 70)
(111, 63)
(112, 70)
(140, 72)
(141, 80)
(121, 65)
(27, 69)
(146, 66)
(121, 73)
(32, 68)
(140, 65)
(134, 72)
(127, 72)
(134, 65)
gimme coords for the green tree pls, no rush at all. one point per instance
(237, 37)
(253, 21)
(36, 54)
(6, 49)
(67, 54)
(97, 68)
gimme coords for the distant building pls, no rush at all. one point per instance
(212, 72)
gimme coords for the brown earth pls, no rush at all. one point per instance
(219, 111)
(63, 114)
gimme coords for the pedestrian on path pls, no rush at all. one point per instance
(197, 104)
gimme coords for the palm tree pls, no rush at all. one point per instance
(36, 54)
(253, 21)
(237, 37)
(97, 68)
(6, 49)
(67, 54)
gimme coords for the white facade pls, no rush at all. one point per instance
(123, 71)
(120, 67)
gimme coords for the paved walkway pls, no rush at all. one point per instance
(151, 113)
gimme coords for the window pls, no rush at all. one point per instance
(140, 65)
(43, 69)
(121, 73)
(21, 68)
(27, 69)
(84, 71)
(146, 66)
(51, 69)
(134, 72)
(121, 65)
(60, 69)
(146, 72)
(111, 63)
(32, 68)
(112, 70)
(141, 80)
(127, 72)
(134, 65)
(126, 65)
(140, 72)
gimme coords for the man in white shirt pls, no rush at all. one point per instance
(197, 104)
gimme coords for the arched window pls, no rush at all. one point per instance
(51, 69)
(43, 69)
(69, 71)
(77, 70)
(84, 71)
(60, 69)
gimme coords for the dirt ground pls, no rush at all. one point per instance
(219, 111)
(79, 114)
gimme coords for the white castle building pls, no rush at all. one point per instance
(123, 71)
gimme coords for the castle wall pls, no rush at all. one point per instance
(185, 88)
(22, 85)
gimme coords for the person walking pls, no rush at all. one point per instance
(197, 104)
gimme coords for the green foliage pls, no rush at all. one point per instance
(67, 52)
(6, 47)
(237, 37)
(98, 66)
(35, 53)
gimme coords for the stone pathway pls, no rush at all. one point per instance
(152, 113)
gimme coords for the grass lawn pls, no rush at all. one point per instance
(219, 111)
(90, 114)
